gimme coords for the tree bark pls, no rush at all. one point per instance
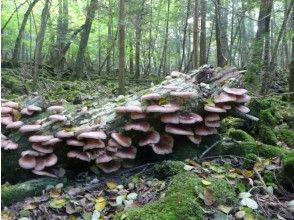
(17, 45)
(109, 40)
(291, 67)
(203, 34)
(79, 67)
(121, 42)
(39, 44)
(195, 35)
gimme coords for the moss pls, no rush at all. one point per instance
(268, 177)
(179, 202)
(13, 83)
(231, 122)
(238, 149)
(223, 193)
(288, 168)
(250, 160)
(267, 151)
(17, 192)
(168, 168)
(267, 134)
(240, 135)
(287, 136)
(269, 117)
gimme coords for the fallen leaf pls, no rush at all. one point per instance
(100, 203)
(96, 215)
(205, 182)
(249, 203)
(244, 195)
(259, 166)
(57, 203)
(224, 209)
(132, 196)
(208, 196)
(188, 167)
(111, 185)
(248, 173)
(119, 200)
(72, 217)
(16, 114)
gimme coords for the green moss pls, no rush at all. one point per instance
(288, 168)
(269, 117)
(231, 122)
(268, 176)
(168, 168)
(240, 135)
(287, 136)
(250, 160)
(223, 193)
(12, 82)
(17, 192)
(179, 202)
(238, 149)
(267, 134)
(268, 151)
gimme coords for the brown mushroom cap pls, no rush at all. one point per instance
(27, 162)
(136, 115)
(212, 117)
(93, 143)
(152, 96)
(209, 108)
(235, 91)
(170, 118)
(40, 138)
(224, 97)
(242, 108)
(137, 126)
(92, 135)
(121, 139)
(109, 167)
(190, 118)
(64, 134)
(126, 153)
(103, 158)
(151, 137)
(85, 156)
(196, 139)
(165, 145)
(11, 104)
(6, 110)
(30, 128)
(15, 125)
(74, 142)
(55, 109)
(204, 131)
(52, 141)
(172, 129)
(43, 149)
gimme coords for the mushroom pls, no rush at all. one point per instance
(43, 173)
(204, 131)
(152, 96)
(92, 135)
(165, 145)
(33, 108)
(6, 119)
(74, 142)
(235, 91)
(51, 160)
(7, 144)
(27, 162)
(172, 129)
(112, 143)
(190, 118)
(86, 129)
(136, 115)
(30, 128)
(196, 139)
(243, 98)
(121, 139)
(170, 118)
(64, 134)
(212, 117)
(224, 97)
(212, 124)
(11, 104)
(109, 167)
(40, 163)
(137, 126)
(103, 158)
(52, 141)
(57, 117)
(151, 137)
(93, 143)
(126, 153)
(43, 149)
(6, 110)
(168, 108)
(85, 156)
(243, 109)
(55, 109)
(209, 108)
(15, 125)
(31, 153)
(40, 138)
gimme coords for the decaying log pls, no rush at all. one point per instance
(184, 104)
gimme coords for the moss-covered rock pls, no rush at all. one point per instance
(17, 192)
(267, 134)
(286, 136)
(288, 168)
(168, 168)
(223, 193)
(250, 160)
(240, 135)
(231, 122)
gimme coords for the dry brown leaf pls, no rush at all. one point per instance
(208, 196)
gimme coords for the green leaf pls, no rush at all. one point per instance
(57, 203)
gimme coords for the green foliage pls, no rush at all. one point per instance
(267, 134)
(223, 193)
(286, 136)
(168, 168)
(288, 168)
(240, 135)
(250, 160)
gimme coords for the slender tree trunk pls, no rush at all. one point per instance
(131, 59)
(291, 65)
(150, 39)
(79, 67)
(17, 45)
(121, 42)
(39, 44)
(109, 40)
(195, 35)
(209, 41)
(203, 33)
(138, 34)
(224, 28)
(221, 61)
(185, 33)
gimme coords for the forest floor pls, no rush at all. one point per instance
(245, 175)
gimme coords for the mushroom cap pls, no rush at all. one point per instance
(6, 110)
(191, 118)
(204, 131)
(243, 98)
(74, 142)
(126, 153)
(85, 156)
(86, 129)
(196, 139)
(151, 137)
(134, 108)
(172, 129)
(64, 134)
(55, 109)
(40, 163)
(8, 145)
(111, 149)
(120, 109)
(224, 106)
(170, 118)
(51, 160)
(168, 108)
(182, 94)
(52, 141)
(224, 97)
(137, 126)
(136, 115)
(121, 139)
(212, 124)
(242, 108)
(43, 173)
(112, 143)
(93, 143)
(103, 158)
(27, 162)
(15, 125)
(209, 108)
(92, 135)
(170, 87)
(57, 117)
(151, 96)
(6, 119)
(11, 104)
(43, 149)
(30, 128)
(25, 111)
(109, 167)
(30, 153)
(33, 108)
(165, 145)
(212, 117)
(40, 138)
(235, 91)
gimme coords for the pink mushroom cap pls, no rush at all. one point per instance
(33, 108)
(30, 128)
(136, 115)
(40, 138)
(152, 96)
(43, 149)
(235, 91)
(212, 117)
(92, 135)
(6, 110)
(209, 108)
(204, 131)
(64, 134)
(121, 139)
(170, 118)
(11, 104)
(172, 129)
(57, 117)
(126, 153)
(151, 137)
(137, 126)
(55, 109)
(74, 142)
(15, 125)
(109, 167)
(224, 97)
(196, 139)
(27, 162)
(190, 118)
(165, 145)
(242, 108)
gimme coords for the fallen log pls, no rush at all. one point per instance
(106, 134)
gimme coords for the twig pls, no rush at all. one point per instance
(209, 149)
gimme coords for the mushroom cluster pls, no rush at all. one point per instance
(153, 122)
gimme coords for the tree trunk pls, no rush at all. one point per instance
(138, 34)
(224, 28)
(203, 34)
(17, 45)
(221, 61)
(109, 40)
(150, 39)
(39, 44)
(121, 43)
(291, 67)
(195, 35)
(79, 67)
(131, 58)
